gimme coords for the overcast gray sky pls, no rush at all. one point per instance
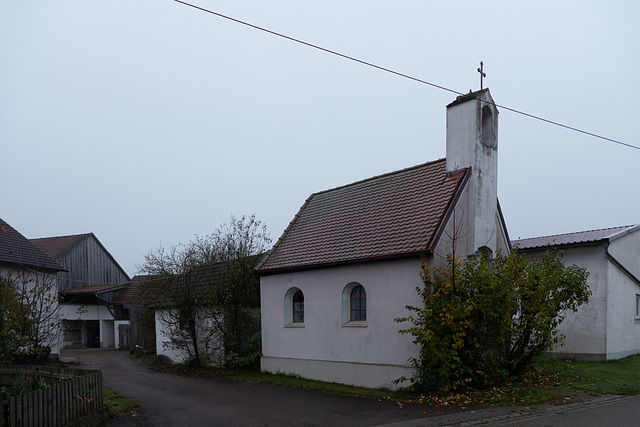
(147, 122)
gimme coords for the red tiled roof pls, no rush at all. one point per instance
(59, 246)
(160, 290)
(129, 294)
(92, 289)
(391, 215)
(18, 250)
(574, 238)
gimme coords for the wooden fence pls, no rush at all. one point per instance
(75, 393)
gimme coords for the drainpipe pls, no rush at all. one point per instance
(619, 264)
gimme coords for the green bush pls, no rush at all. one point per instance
(249, 356)
(485, 320)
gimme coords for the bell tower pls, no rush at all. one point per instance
(472, 142)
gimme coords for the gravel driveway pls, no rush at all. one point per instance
(172, 400)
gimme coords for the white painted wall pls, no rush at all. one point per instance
(605, 328)
(84, 312)
(212, 348)
(626, 249)
(163, 341)
(91, 312)
(116, 330)
(50, 296)
(586, 330)
(107, 334)
(373, 354)
(623, 328)
(457, 237)
(471, 145)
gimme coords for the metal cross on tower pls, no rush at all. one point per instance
(482, 73)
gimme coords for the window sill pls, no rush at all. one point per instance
(355, 324)
(294, 325)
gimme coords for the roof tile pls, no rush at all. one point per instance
(384, 216)
(18, 250)
(58, 246)
(92, 289)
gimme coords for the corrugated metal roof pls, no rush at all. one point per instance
(385, 216)
(18, 250)
(573, 238)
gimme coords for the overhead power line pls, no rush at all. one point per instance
(369, 64)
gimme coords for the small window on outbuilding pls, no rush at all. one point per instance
(637, 306)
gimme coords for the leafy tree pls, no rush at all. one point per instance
(207, 293)
(485, 320)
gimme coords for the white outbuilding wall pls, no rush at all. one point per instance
(585, 331)
(623, 312)
(163, 339)
(76, 331)
(211, 346)
(43, 285)
(608, 326)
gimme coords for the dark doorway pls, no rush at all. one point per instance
(93, 334)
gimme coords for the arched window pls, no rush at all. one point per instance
(354, 306)
(358, 304)
(485, 251)
(488, 130)
(294, 308)
(298, 307)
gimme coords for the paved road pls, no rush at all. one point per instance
(172, 400)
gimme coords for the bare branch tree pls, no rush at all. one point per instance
(35, 315)
(206, 295)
